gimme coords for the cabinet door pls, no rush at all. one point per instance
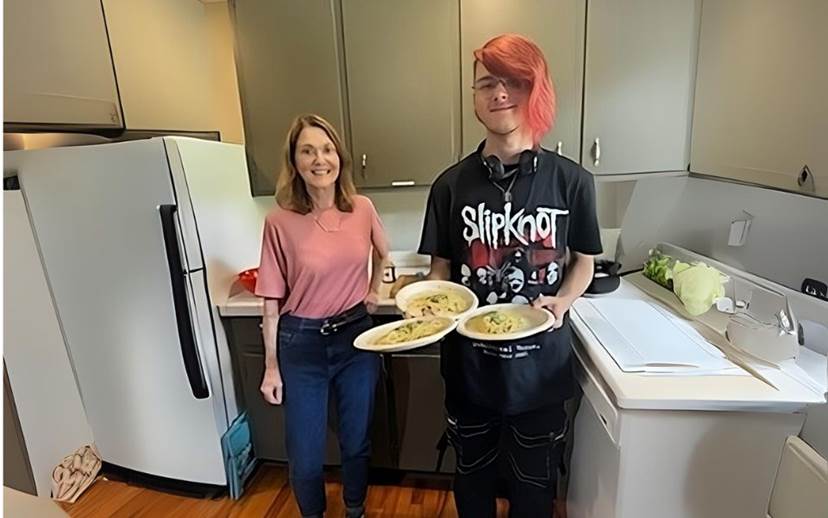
(640, 59)
(403, 69)
(287, 58)
(161, 54)
(57, 65)
(760, 111)
(267, 421)
(418, 391)
(557, 27)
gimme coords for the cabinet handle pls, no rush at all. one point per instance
(596, 152)
(559, 147)
(364, 165)
(806, 179)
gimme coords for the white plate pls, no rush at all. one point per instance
(539, 320)
(417, 289)
(366, 341)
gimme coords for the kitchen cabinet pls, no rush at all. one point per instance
(161, 54)
(623, 74)
(267, 421)
(638, 85)
(57, 65)
(402, 63)
(559, 34)
(419, 414)
(284, 72)
(760, 110)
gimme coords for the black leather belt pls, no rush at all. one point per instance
(335, 323)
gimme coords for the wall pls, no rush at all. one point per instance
(228, 105)
(402, 211)
(788, 239)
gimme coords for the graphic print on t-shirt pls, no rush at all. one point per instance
(511, 255)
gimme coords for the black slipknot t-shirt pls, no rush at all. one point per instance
(510, 249)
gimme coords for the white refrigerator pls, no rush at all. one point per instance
(140, 241)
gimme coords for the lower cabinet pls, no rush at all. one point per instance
(419, 417)
(268, 421)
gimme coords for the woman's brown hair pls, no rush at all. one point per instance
(291, 193)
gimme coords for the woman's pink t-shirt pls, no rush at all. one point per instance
(319, 268)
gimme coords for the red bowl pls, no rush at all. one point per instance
(247, 279)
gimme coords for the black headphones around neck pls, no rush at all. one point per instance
(527, 163)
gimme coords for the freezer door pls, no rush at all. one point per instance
(98, 219)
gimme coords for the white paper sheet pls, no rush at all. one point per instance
(642, 337)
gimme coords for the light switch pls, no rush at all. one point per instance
(739, 229)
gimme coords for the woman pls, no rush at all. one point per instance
(315, 280)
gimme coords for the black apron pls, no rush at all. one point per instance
(509, 377)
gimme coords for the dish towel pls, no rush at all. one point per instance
(71, 477)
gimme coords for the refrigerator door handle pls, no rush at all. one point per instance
(192, 365)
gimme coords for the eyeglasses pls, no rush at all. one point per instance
(489, 83)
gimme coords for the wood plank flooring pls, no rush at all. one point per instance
(268, 495)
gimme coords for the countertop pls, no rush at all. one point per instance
(242, 303)
(665, 392)
(627, 390)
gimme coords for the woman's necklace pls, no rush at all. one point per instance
(329, 220)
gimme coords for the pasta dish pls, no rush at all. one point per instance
(498, 322)
(414, 330)
(444, 304)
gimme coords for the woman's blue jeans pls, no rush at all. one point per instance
(314, 367)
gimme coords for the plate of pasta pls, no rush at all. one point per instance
(436, 298)
(403, 335)
(505, 322)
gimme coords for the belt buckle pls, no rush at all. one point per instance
(327, 328)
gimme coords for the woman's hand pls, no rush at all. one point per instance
(558, 306)
(272, 386)
(372, 301)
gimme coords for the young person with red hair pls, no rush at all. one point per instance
(515, 223)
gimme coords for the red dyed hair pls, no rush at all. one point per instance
(513, 55)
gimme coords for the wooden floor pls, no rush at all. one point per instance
(267, 495)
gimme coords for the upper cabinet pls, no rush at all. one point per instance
(287, 59)
(402, 63)
(368, 69)
(106, 65)
(640, 60)
(162, 57)
(396, 78)
(760, 111)
(557, 26)
(57, 65)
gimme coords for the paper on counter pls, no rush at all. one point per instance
(810, 369)
(641, 337)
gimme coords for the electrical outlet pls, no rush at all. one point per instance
(815, 288)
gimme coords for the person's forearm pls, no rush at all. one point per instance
(578, 277)
(378, 263)
(270, 327)
(440, 269)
